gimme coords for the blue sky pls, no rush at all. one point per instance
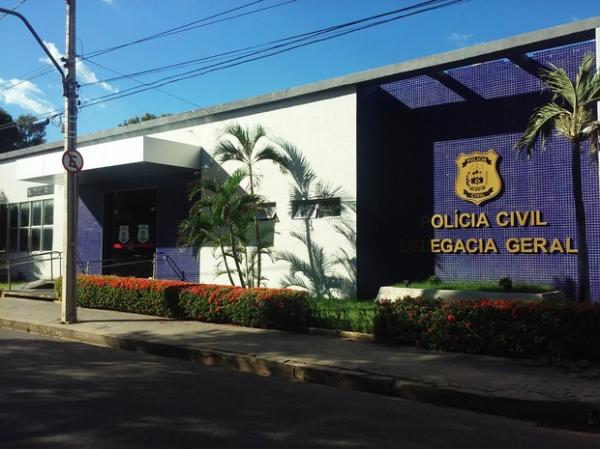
(106, 23)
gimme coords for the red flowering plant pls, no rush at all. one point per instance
(254, 307)
(128, 294)
(506, 328)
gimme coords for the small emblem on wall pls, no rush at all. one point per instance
(143, 233)
(124, 233)
(478, 179)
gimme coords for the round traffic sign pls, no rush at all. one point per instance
(72, 161)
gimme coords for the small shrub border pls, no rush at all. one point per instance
(255, 307)
(501, 328)
(128, 294)
(258, 307)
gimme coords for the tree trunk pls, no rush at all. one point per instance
(256, 275)
(583, 268)
(226, 264)
(236, 258)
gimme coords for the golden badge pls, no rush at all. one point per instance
(478, 179)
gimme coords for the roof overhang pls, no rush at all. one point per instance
(125, 154)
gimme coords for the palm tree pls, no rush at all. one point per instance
(220, 215)
(571, 114)
(249, 146)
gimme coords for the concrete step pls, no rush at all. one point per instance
(42, 294)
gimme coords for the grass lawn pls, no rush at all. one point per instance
(343, 314)
(480, 286)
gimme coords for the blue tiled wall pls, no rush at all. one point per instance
(89, 231)
(172, 206)
(433, 121)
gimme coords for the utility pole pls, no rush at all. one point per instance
(72, 160)
(69, 291)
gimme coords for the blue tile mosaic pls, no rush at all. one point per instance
(541, 183)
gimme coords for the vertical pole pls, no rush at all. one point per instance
(8, 274)
(69, 299)
(154, 260)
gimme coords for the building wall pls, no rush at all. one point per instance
(323, 128)
(440, 125)
(15, 191)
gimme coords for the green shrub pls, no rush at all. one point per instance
(504, 328)
(255, 307)
(341, 314)
(126, 294)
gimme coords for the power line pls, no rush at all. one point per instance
(284, 45)
(14, 8)
(191, 25)
(281, 42)
(175, 30)
(278, 49)
(144, 84)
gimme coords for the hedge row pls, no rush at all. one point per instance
(258, 307)
(504, 328)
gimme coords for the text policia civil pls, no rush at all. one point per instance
(478, 181)
(502, 219)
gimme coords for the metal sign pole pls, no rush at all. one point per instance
(69, 291)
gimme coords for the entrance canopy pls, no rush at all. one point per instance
(125, 156)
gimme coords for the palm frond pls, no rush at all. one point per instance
(227, 150)
(255, 135)
(270, 153)
(540, 126)
(587, 83)
(560, 85)
(298, 166)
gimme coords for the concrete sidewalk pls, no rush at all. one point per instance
(516, 388)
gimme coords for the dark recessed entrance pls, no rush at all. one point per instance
(129, 240)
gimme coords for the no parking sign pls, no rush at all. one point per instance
(72, 161)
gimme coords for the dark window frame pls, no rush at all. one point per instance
(316, 208)
(16, 231)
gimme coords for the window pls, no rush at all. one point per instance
(266, 212)
(13, 226)
(27, 226)
(47, 225)
(24, 215)
(316, 208)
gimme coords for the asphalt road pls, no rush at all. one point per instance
(58, 394)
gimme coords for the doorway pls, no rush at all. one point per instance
(129, 240)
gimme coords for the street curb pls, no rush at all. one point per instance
(556, 413)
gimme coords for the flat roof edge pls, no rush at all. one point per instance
(545, 38)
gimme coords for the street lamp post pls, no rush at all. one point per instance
(69, 82)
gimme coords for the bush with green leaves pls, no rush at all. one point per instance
(270, 308)
(127, 294)
(503, 328)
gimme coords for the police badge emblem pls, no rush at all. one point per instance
(143, 233)
(478, 179)
(124, 233)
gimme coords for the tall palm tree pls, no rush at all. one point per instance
(249, 146)
(220, 215)
(571, 113)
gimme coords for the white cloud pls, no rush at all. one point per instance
(24, 94)
(460, 39)
(84, 73)
(108, 2)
